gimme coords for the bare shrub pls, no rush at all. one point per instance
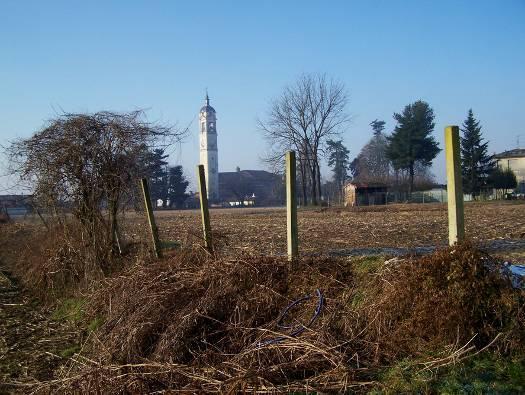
(88, 164)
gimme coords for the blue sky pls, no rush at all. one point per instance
(160, 56)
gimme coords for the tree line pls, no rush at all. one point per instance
(167, 184)
(309, 115)
(403, 159)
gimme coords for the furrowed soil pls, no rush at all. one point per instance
(263, 230)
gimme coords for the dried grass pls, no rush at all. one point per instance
(4, 218)
(194, 323)
(59, 262)
(451, 297)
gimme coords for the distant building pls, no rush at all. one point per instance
(364, 194)
(250, 188)
(239, 188)
(209, 155)
(514, 160)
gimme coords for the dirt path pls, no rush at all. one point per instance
(30, 341)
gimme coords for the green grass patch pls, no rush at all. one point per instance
(483, 374)
(403, 377)
(486, 374)
(357, 299)
(170, 245)
(368, 265)
(95, 324)
(70, 309)
(69, 351)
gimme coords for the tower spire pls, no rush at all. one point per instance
(208, 148)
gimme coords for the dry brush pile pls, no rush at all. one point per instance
(195, 323)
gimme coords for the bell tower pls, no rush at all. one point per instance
(208, 149)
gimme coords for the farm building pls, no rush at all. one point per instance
(514, 160)
(364, 194)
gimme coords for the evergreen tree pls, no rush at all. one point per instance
(412, 142)
(156, 166)
(338, 160)
(177, 185)
(377, 126)
(477, 165)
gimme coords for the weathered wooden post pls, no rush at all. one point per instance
(151, 218)
(291, 207)
(456, 224)
(205, 214)
(118, 241)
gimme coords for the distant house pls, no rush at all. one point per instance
(250, 188)
(515, 160)
(364, 194)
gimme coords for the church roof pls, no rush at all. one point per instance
(207, 107)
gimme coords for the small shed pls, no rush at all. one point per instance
(365, 194)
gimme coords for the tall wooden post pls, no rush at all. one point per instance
(205, 214)
(456, 221)
(291, 206)
(151, 218)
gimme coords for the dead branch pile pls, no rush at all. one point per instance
(193, 323)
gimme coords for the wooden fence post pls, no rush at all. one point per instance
(291, 206)
(456, 224)
(205, 214)
(151, 218)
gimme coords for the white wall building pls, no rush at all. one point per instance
(514, 160)
(208, 149)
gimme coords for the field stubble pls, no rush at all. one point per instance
(263, 230)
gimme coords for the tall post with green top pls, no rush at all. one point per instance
(456, 220)
(291, 207)
(205, 213)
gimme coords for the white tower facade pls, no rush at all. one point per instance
(208, 149)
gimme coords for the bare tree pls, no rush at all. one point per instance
(302, 118)
(88, 163)
(372, 163)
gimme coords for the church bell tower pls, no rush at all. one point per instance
(208, 149)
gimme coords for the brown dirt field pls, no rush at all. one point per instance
(263, 230)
